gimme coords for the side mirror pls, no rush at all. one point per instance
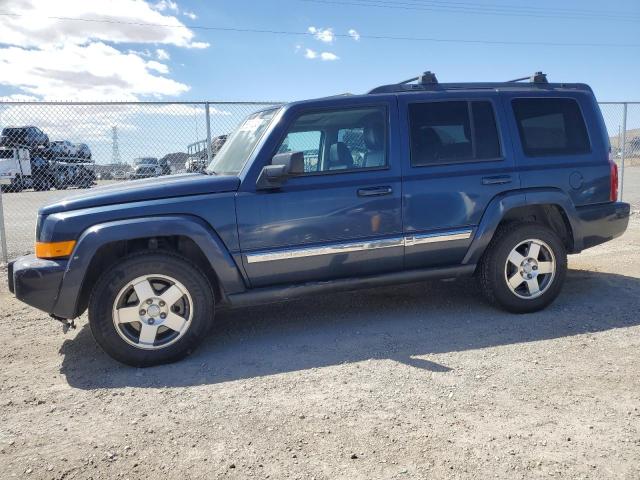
(283, 166)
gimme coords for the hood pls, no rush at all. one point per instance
(146, 189)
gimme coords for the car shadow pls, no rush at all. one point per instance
(404, 323)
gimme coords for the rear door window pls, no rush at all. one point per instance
(453, 132)
(550, 126)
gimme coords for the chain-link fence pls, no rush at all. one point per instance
(48, 148)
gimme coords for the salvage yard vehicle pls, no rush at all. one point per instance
(24, 137)
(497, 180)
(23, 168)
(147, 167)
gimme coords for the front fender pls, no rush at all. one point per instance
(102, 234)
(502, 204)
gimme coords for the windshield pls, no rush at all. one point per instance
(238, 147)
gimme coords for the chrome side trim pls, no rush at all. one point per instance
(332, 249)
(336, 248)
(449, 236)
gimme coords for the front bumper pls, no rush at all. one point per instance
(603, 222)
(36, 281)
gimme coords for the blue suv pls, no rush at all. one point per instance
(411, 181)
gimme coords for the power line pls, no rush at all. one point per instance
(466, 8)
(339, 35)
(512, 7)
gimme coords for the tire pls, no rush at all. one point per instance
(508, 275)
(61, 182)
(114, 309)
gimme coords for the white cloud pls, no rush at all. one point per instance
(162, 54)
(328, 56)
(323, 34)
(190, 15)
(163, 5)
(353, 33)
(199, 45)
(126, 22)
(60, 59)
(84, 72)
(325, 56)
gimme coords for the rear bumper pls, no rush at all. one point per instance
(36, 281)
(603, 222)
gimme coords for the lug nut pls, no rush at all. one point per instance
(535, 267)
(151, 321)
(142, 312)
(163, 315)
(149, 302)
(161, 303)
(529, 276)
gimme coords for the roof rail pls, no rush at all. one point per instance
(537, 77)
(428, 81)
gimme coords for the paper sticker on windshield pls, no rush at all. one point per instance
(251, 125)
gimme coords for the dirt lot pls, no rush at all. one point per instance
(414, 381)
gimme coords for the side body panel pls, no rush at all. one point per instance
(449, 200)
(584, 177)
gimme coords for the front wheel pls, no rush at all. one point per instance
(524, 267)
(150, 309)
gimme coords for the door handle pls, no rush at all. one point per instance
(374, 191)
(497, 180)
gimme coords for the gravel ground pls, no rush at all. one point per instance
(413, 381)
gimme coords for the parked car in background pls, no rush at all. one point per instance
(165, 168)
(25, 137)
(83, 151)
(494, 180)
(146, 167)
(58, 149)
(119, 175)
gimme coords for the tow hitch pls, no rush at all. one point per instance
(66, 323)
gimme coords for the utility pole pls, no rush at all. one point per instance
(115, 149)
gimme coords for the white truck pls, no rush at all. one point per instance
(15, 168)
(19, 170)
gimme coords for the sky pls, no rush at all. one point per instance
(333, 52)
(283, 50)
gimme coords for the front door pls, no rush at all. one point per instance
(342, 217)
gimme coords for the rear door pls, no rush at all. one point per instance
(456, 157)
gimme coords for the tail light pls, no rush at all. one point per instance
(613, 196)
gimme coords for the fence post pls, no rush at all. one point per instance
(624, 147)
(208, 114)
(3, 234)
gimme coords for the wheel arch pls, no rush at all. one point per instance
(102, 245)
(551, 207)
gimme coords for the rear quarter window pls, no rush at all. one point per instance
(550, 126)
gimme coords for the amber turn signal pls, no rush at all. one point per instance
(54, 249)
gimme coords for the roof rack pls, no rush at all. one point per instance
(428, 81)
(537, 77)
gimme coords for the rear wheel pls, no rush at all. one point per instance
(151, 309)
(524, 267)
